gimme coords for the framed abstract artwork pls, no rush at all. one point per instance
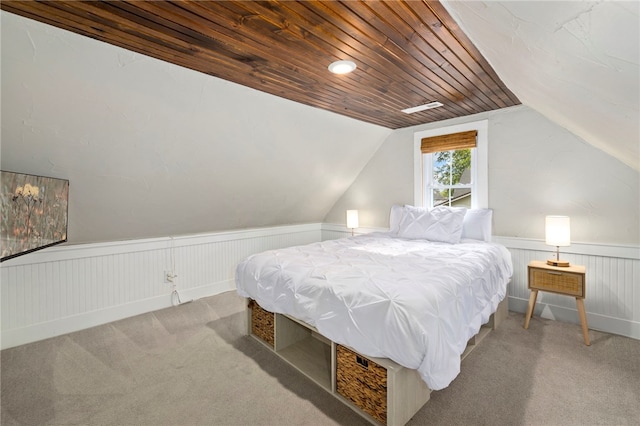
(34, 213)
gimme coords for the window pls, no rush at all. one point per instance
(450, 166)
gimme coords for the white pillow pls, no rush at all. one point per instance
(395, 216)
(477, 224)
(443, 224)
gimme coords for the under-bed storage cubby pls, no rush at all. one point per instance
(305, 349)
(261, 323)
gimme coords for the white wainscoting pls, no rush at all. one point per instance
(68, 288)
(612, 284)
(72, 287)
(612, 278)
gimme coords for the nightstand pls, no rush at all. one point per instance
(568, 281)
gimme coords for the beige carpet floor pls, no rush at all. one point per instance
(193, 365)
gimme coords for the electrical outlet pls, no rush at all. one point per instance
(169, 276)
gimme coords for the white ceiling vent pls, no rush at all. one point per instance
(430, 105)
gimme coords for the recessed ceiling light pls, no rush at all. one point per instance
(430, 105)
(342, 67)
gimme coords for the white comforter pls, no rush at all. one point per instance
(413, 301)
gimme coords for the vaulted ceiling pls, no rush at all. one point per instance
(574, 62)
(408, 53)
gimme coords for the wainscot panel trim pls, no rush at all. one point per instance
(78, 251)
(594, 249)
(72, 287)
(68, 288)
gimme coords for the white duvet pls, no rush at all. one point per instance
(413, 301)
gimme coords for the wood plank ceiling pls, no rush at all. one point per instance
(408, 53)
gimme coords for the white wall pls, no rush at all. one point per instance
(535, 168)
(153, 149)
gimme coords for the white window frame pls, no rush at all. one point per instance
(423, 163)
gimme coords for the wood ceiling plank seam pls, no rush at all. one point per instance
(305, 89)
(295, 64)
(133, 37)
(279, 22)
(404, 93)
(388, 21)
(121, 40)
(229, 40)
(391, 60)
(259, 84)
(363, 91)
(448, 37)
(273, 84)
(367, 19)
(74, 22)
(413, 90)
(435, 23)
(155, 28)
(110, 20)
(389, 24)
(206, 55)
(378, 47)
(455, 31)
(163, 14)
(311, 41)
(428, 45)
(184, 47)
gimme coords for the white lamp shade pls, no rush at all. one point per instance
(352, 219)
(557, 231)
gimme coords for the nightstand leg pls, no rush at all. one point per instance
(532, 304)
(583, 320)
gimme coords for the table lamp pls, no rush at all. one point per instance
(352, 219)
(557, 233)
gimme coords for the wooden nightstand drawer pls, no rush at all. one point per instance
(558, 282)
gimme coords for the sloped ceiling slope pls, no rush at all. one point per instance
(574, 62)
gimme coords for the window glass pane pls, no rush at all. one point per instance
(452, 167)
(442, 168)
(462, 166)
(440, 197)
(456, 197)
(462, 198)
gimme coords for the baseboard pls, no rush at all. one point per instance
(45, 330)
(598, 322)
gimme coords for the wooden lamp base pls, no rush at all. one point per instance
(561, 263)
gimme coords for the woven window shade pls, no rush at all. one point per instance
(453, 141)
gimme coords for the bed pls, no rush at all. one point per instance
(415, 295)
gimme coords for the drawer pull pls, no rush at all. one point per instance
(363, 362)
(554, 273)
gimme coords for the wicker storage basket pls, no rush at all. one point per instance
(262, 323)
(363, 382)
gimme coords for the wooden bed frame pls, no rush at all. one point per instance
(391, 403)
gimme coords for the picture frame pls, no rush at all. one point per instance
(34, 213)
